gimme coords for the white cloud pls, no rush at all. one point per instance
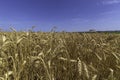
(109, 2)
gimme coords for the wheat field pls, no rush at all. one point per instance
(59, 56)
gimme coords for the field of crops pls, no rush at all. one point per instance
(59, 56)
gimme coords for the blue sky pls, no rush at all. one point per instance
(67, 15)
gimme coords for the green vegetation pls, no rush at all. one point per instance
(59, 56)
